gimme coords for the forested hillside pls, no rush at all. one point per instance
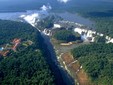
(97, 61)
(27, 66)
(10, 30)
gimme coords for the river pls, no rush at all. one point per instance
(63, 78)
(74, 17)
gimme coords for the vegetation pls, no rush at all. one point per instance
(97, 61)
(102, 17)
(27, 66)
(66, 36)
(100, 39)
(104, 24)
(10, 30)
(47, 22)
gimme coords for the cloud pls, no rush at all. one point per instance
(45, 8)
(63, 1)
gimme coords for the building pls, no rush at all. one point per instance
(16, 42)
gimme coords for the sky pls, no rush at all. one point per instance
(62, 1)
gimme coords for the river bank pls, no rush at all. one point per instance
(71, 65)
(75, 69)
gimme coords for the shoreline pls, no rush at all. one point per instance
(74, 69)
(71, 65)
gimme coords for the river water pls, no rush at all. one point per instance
(63, 77)
(76, 18)
(65, 15)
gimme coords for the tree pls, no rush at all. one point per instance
(66, 36)
(97, 61)
(100, 39)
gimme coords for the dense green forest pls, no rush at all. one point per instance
(10, 30)
(97, 61)
(66, 36)
(27, 66)
(104, 25)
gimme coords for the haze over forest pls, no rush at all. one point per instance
(20, 5)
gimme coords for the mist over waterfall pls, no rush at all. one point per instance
(32, 16)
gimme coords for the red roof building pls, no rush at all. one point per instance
(16, 42)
